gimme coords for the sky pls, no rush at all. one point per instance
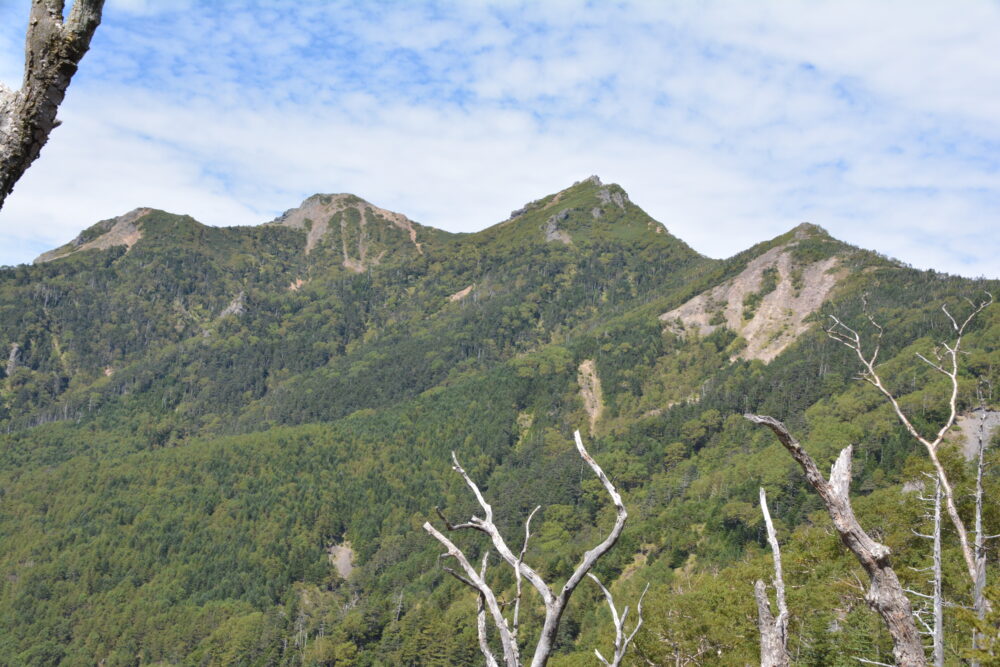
(729, 122)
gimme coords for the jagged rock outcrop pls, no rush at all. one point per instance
(551, 228)
(236, 307)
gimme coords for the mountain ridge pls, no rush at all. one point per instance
(328, 208)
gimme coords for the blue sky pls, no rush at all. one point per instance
(730, 122)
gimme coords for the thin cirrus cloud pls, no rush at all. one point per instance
(730, 122)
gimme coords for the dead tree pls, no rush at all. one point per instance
(946, 363)
(885, 595)
(936, 600)
(979, 602)
(773, 630)
(53, 49)
(555, 603)
(622, 640)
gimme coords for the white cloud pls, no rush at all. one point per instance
(730, 122)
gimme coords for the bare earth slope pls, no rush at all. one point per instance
(780, 316)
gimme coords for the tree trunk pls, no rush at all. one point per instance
(938, 645)
(773, 631)
(53, 50)
(885, 595)
(772, 643)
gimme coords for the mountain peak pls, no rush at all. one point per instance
(352, 219)
(805, 230)
(123, 230)
(590, 194)
(771, 293)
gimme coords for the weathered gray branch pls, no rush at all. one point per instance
(773, 631)
(979, 602)
(476, 581)
(555, 604)
(622, 640)
(885, 594)
(852, 339)
(938, 650)
(935, 601)
(484, 643)
(53, 49)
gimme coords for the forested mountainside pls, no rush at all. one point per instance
(197, 422)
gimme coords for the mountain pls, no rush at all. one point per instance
(198, 423)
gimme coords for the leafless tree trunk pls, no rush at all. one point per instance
(773, 631)
(946, 363)
(885, 595)
(936, 599)
(555, 603)
(938, 643)
(979, 602)
(53, 50)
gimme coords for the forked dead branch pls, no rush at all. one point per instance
(945, 362)
(555, 603)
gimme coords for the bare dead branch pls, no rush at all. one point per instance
(487, 526)
(773, 631)
(622, 640)
(873, 662)
(484, 644)
(517, 569)
(473, 579)
(885, 594)
(949, 368)
(555, 605)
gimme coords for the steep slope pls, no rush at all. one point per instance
(123, 230)
(769, 301)
(362, 232)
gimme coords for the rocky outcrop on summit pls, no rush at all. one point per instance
(608, 196)
(352, 215)
(552, 231)
(767, 303)
(123, 230)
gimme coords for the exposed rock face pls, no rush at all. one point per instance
(607, 196)
(461, 294)
(590, 391)
(552, 231)
(15, 353)
(975, 425)
(315, 214)
(236, 306)
(518, 212)
(342, 559)
(123, 230)
(779, 317)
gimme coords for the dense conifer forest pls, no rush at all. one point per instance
(192, 421)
